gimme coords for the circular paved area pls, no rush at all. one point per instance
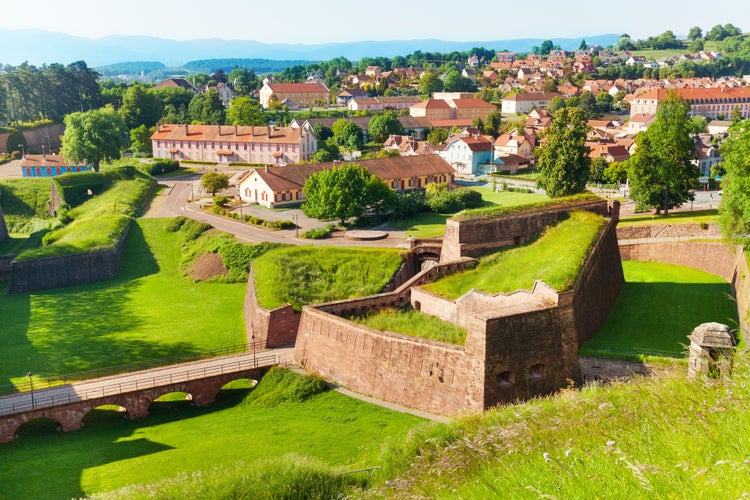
(361, 235)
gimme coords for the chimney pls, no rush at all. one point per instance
(266, 168)
(252, 130)
(236, 130)
(220, 130)
(187, 132)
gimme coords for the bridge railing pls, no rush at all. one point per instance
(71, 378)
(48, 398)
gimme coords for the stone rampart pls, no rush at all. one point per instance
(669, 231)
(66, 270)
(433, 376)
(475, 237)
(720, 258)
(270, 327)
(518, 345)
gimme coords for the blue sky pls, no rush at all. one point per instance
(321, 21)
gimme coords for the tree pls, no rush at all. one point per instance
(583, 45)
(546, 47)
(348, 134)
(93, 136)
(341, 193)
(736, 116)
(493, 123)
(661, 173)
(214, 181)
(244, 110)
(437, 136)
(429, 83)
(206, 108)
(140, 107)
(383, 125)
(140, 139)
(564, 163)
(598, 166)
(556, 103)
(695, 33)
(735, 204)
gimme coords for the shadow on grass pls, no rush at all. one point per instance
(654, 319)
(83, 327)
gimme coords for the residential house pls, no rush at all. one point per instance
(225, 91)
(177, 82)
(471, 108)
(280, 186)
(364, 104)
(468, 155)
(346, 95)
(304, 95)
(706, 153)
(225, 144)
(506, 57)
(511, 164)
(526, 101)
(49, 165)
(513, 143)
(610, 151)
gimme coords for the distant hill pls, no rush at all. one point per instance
(39, 47)
(260, 66)
(130, 68)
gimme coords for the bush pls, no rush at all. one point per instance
(409, 203)
(221, 201)
(160, 166)
(191, 229)
(318, 234)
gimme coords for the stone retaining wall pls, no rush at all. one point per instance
(66, 270)
(708, 231)
(475, 237)
(271, 328)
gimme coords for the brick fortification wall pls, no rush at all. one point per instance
(720, 258)
(271, 328)
(67, 270)
(475, 237)
(518, 345)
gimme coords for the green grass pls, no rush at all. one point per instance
(695, 217)
(231, 449)
(657, 437)
(413, 323)
(25, 197)
(421, 225)
(99, 222)
(17, 243)
(658, 307)
(539, 203)
(555, 258)
(147, 312)
(308, 275)
(432, 225)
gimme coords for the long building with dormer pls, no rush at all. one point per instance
(267, 145)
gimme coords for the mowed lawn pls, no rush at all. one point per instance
(109, 453)
(150, 311)
(658, 307)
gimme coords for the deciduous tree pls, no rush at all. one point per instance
(93, 136)
(735, 202)
(244, 110)
(661, 173)
(342, 192)
(564, 163)
(383, 125)
(214, 182)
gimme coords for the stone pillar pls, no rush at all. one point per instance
(711, 351)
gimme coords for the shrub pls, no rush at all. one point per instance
(191, 229)
(318, 234)
(221, 201)
(160, 166)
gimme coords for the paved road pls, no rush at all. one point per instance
(174, 201)
(155, 377)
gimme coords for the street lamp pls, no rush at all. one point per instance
(296, 225)
(31, 384)
(252, 338)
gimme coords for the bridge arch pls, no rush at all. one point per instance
(104, 413)
(38, 425)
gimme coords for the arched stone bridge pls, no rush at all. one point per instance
(69, 404)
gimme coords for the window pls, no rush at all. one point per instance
(537, 372)
(505, 379)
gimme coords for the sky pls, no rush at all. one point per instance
(326, 21)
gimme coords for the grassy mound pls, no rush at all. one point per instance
(555, 258)
(309, 275)
(100, 221)
(485, 213)
(413, 323)
(280, 386)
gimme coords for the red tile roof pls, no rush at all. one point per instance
(696, 93)
(227, 133)
(472, 104)
(298, 87)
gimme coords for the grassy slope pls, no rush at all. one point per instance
(308, 275)
(227, 437)
(555, 258)
(147, 312)
(410, 322)
(659, 437)
(668, 302)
